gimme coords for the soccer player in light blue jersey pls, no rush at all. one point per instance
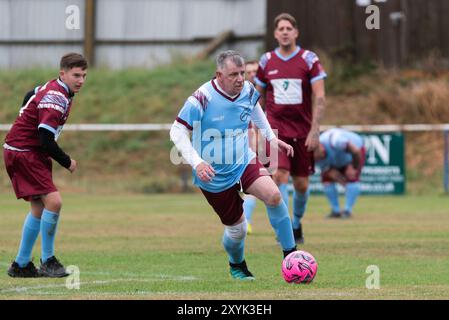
(340, 156)
(217, 117)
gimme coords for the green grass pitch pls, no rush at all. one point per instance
(169, 247)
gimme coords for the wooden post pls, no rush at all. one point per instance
(215, 44)
(403, 46)
(446, 161)
(89, 32)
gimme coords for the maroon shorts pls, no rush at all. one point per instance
(30, 173)
(228, 204)
(302, 164)
(325, 178)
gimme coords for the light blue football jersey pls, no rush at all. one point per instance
(219, 127)
(335, 143)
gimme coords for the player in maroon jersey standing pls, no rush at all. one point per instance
(291, 82)
(28, 149)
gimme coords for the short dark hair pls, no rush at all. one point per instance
(285, 16)
(73, 60)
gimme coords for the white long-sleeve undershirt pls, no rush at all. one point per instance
(260, 120)
(180, 136)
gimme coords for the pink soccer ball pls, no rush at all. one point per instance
(299, 267)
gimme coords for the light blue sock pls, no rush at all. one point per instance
(282, 225)
(49, 222)
(299, 207)
(330, 190)
(283, 188)
(30, 232)
(234, 248)
(352, 192)
(249, 204)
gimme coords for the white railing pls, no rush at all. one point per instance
(108, 127)
(359, 128)
(167, 126)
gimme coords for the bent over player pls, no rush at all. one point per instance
(28, 149)
(218, 114)
(340, 156)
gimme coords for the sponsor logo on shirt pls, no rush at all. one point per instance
(220, 118)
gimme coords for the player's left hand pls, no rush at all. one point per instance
(336, 176)
(205, 172)
(73, 166)
(351, 173)
(288, 149)
(313, 139)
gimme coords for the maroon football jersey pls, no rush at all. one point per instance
(288, 84)
(48, 108)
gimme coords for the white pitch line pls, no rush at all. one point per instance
(130, 274)
(48, 286)
(136, 275)
(96, 282)
(115, 293)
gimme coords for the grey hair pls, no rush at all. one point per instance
(234, 56)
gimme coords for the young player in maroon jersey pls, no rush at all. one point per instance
(29, 147)
(287, 79)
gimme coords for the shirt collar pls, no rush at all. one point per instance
(222, 91)
(66, 87)
(280, 56)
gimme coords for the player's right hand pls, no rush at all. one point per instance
(73, 165)
(205, 172)
(279, 144)
(313, 139)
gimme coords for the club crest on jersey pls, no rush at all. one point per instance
(245, 114)
(271, 72)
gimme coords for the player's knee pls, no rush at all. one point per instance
(281, 176)
(55, 205)
(301, 185)
(274, 198)
(53, 202)
(237, 232)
